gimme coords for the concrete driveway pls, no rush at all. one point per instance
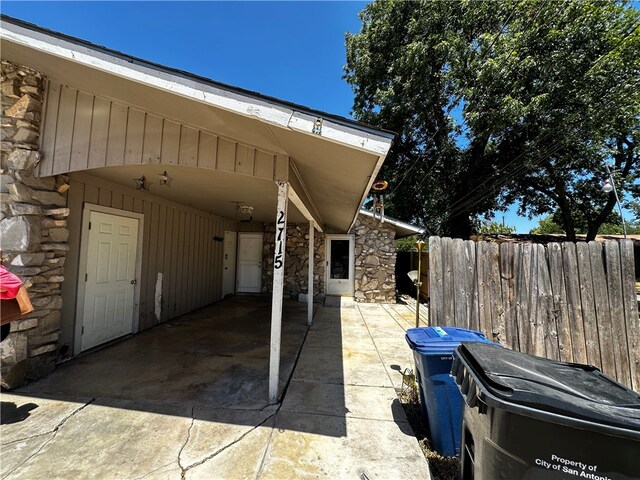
(188, 399)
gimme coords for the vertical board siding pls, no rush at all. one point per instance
(170, 143)
(99, 133)
(134, 137)
(226, 155)
(188, 147)
(207, 150)
(64, 129)
(573, 302)
(176, 242)
(82, 131)
(117, 136)
(49, 126)
(152, 143)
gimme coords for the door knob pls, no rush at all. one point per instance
(134, 281)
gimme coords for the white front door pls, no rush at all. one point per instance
(340, 264)
(249, 274)
(229, 263)
(110, 278)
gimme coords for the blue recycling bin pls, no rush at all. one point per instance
(440, 399)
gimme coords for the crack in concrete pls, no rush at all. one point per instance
(55, 431)
(183, 472)
(376, 346)
(153, 471)
(226, 447)
(27, 438)
(267, 446)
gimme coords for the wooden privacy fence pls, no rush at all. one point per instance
(574, 302)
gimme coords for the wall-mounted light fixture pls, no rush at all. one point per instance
(165, 179)
(62, 183)
(141, 183)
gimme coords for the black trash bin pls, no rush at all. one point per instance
(532, 418)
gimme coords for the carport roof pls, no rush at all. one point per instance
(338, 165)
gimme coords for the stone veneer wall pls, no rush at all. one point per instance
(296, 261)
(33, 229)
(375, 261)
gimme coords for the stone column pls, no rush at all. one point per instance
(375, 261)
(33, 229)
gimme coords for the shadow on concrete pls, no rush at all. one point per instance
(211, 364)
(11, 413)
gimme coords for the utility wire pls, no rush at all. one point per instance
(468, 199)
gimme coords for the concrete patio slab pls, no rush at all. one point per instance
(373, 403)
(187, 400)
(370, 449)
(107, 440)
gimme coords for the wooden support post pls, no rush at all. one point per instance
(310, 279)
(278, 291)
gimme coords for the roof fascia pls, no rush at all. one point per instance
(264, 109)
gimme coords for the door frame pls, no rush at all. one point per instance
(234, 262)
(249, 234)
(82, 267)
(352, 262)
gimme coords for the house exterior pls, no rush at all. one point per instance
(133, 193)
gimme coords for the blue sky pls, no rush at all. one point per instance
(290, 50)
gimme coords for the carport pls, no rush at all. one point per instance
(163, 167)
(187, 399)
(214, 357)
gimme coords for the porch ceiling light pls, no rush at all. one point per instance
(246, 209)
(165, 179)
(141, 183)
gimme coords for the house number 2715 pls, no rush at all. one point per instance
(277, 262)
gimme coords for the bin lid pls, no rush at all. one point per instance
(568, 389)
(440, 340)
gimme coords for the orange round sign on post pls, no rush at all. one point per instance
(379, 185)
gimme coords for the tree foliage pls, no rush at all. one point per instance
(496, 228)
(407, 244)
(551, 224)
(547, 226)
(501, 102)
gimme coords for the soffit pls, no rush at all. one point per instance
(337, 176)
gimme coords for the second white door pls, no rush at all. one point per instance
(249, 272)
(340, 264)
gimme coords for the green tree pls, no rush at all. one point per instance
(501, 102)
(612, 226)
(407, 244)
(634, 206)
(547, 226)
(496, 228)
